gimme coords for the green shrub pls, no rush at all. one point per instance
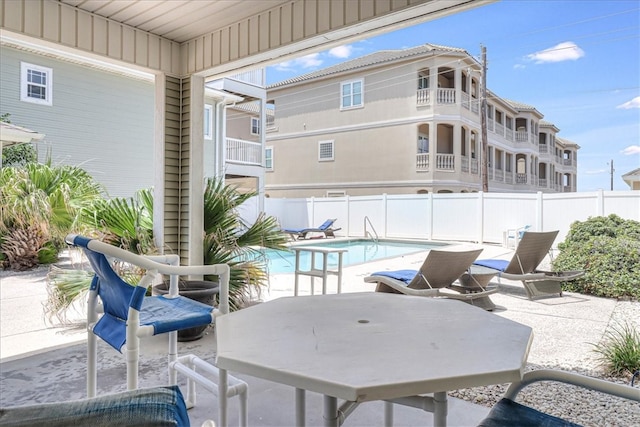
(608, 249)
(620, 350)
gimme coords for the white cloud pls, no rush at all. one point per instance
(343, 51)
(518, 66)
(595, 171)
(565, 51)
(307, 61)
(634, 103)
(631, 150)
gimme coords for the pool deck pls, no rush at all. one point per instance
(41, 362)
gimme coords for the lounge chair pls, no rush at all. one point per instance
(434, 279)
(507, 412)
(523, 266)
(301, 233)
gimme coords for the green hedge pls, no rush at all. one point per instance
(608, 249)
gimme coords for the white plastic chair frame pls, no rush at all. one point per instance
(154, 265)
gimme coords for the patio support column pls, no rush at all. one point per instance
(159, 160)
(193, 177)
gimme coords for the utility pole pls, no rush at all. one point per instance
(612, 170)
(483, 124)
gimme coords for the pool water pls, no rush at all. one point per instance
(358, 252)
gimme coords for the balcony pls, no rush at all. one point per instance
(244, 152)
(445, 162)
(423, 97)
(422, 161)
(446, 96)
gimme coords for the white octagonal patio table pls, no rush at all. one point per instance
(369, 346)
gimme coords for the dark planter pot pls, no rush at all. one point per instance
(198, 290)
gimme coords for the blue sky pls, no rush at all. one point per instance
(577, 62)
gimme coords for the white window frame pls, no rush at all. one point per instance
(320, 146)
(351, 103)
(208, 121)
(422, 137)
(270, 150)
(255, 124)
(25, 83)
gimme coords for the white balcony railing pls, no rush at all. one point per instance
(466, 100)
(445, 162)
(446, 96)
(522, 136)
(422, 161)
(423, 96)
(509, 134)
(245, 152)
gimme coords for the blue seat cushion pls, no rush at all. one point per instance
(507, 413)
(151, 407)
(405, 276)
(496, 264)
(164, 314)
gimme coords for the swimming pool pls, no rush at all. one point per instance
(358, 251)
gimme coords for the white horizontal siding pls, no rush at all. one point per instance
(100, 121)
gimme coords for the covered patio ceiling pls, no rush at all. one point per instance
(217, 37)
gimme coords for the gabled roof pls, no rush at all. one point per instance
(546, 124)
(632, 174)
(380, 57)
(520, 106)
(567, 143)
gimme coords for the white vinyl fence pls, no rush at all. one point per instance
(473, 217)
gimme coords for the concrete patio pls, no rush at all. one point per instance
(41, 363)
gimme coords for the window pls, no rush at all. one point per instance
(423, 144)
(268, 158)
(325, 151)
(351, 94)
(336, 193)
(35, 84)
(255, 126)
(208, 121)
(423, 80)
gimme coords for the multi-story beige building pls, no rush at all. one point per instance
(407, 121)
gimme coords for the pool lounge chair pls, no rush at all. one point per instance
(301, 233)
(523, 266)
(434, 279)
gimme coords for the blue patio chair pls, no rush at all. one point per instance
(325, 228)
(121, 314)
(507, 412)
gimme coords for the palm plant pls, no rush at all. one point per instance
(39, 206)
(127, 223)
(228, 239)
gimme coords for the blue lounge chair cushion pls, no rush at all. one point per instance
(507, 413)
(405, 276)
(158, 407)
(325, 225)
(496, 264)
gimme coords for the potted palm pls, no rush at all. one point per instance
(228, 239)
